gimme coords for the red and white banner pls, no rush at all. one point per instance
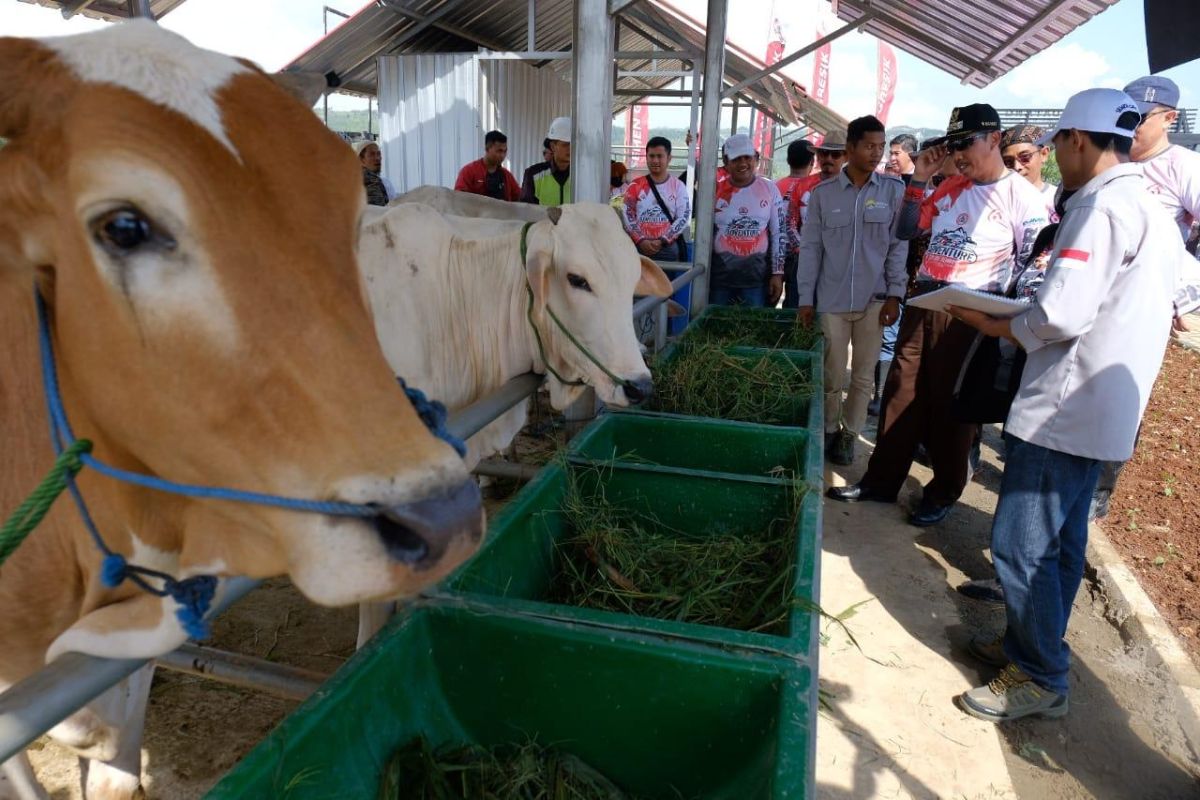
(637, 134)
(764, 127)
(819, 90)
(885, 84)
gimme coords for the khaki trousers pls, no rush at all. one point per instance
(855, 337)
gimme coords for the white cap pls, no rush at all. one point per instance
(560, 130)
(737, 146)
(1094, 110)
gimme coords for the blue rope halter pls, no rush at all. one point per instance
(195, 594)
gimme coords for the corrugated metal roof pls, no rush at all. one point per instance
(395, 27)
(976, 42)
(108, 10)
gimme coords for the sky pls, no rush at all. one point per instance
(1108, 51)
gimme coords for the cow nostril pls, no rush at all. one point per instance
(638, 391)
(402, 542)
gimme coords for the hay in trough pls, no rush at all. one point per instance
(620, 560)
(704, 380)
(509, 772)
(749, 327)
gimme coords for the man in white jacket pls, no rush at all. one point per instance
(1095, 337)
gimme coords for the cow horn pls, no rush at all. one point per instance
(307, 87)
(554, 213)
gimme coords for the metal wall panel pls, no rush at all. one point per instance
(435, 108)
(521, 101)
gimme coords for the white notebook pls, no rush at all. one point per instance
(995, 305)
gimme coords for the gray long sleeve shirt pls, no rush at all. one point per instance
(849, 253)
(1098, 328)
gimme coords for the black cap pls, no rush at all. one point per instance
(972, 119)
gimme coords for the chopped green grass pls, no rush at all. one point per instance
(750, 327)
(629, 562)
(509, 772)
(704, 380)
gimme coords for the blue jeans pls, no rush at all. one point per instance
(728, 296)
(1039, 535)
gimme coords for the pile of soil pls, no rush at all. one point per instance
(1154, 517)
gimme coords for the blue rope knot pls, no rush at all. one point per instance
(433, 414)
(194, 595)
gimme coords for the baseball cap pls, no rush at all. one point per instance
(969, 120)
(1094, 110)
(738, 145)
(834, 141)
(560, 130)
(1021, 134)
(1151, 91)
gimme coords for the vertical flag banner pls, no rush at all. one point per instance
(885, 84)
(764, 127)
(638, 130)
(819, 90)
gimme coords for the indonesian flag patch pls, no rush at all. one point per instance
(1072, 259)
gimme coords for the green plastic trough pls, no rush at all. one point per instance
(659, 718)
(768, 328)
(515, 571)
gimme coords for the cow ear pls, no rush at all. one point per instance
(307, 87)
(653, 281)
(539, 267)
(28, 70)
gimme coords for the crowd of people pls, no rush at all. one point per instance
(861, 224)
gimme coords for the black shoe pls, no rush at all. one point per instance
(856, 492)
(985, 590)
(927, 515)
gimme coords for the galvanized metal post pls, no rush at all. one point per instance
(710, 124)
(591, 138)
(140, 8)
(693, 128)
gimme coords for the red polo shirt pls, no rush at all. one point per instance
(473, 178)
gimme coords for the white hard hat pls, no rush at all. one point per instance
(560, 130)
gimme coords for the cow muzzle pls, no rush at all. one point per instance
(418, 534)
(639, 390)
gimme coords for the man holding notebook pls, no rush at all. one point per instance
(982, 225)
(1095, 335)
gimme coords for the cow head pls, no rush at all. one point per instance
(582, 265)
(192, 226)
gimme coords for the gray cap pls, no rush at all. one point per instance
(834, 140)
(1153, 91)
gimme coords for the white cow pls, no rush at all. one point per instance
(465, 204)
(460, 312)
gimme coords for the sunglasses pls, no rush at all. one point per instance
(1024, 158)
(1150, 114)
(963, 144)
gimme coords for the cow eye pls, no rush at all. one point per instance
(124, 230)
(579, 282)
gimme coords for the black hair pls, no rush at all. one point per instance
(659, 141)
(546, 143)
(1121, 145)
(493, 137)
(907, 142)
(862, 126)
(800, 154)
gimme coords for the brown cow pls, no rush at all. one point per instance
(192, 228)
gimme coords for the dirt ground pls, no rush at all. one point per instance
(1154, 517)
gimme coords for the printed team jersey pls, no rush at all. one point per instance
(797, 207)
(1173, 176)
(980, 232)
(644, 217)
(747, 248)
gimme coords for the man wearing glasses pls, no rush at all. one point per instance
(1021, 154)
(982, 224)
(1172, 172)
